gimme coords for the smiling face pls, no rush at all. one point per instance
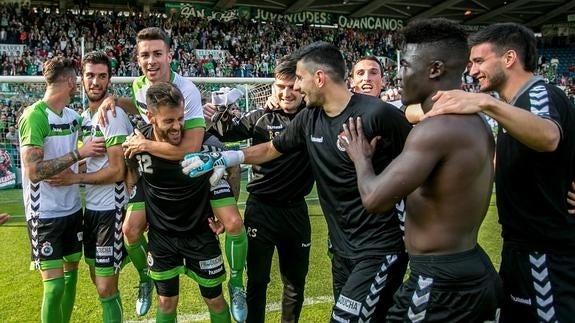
(487, 67)
(367, 78)
(168, 123)
(95, 79)
(154, 59)
(305, 84)
(289, 100)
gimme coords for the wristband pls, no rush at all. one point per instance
(76, 154)
(233, 157)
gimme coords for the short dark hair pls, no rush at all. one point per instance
(97, 57)
(368, 58)
(285, 70)
(446, 36)
(163, 94)
(59, 68)
(506, 36)
(153, 33)
(322, 55)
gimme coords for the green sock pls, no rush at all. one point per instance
(52, 300)
(222, 317)
(70, 279)
(137, 253)
(112, 309)
(236, 246)
(162, 317)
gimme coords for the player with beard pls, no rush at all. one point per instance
(369, 258)
(177, 210)
(49, 134)
(276, 214)
(534, 170)
(446, 170)
(106, 194)
(154, 58)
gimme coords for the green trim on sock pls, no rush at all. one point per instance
(137, 254)
(69, 297)
(222, 317)
(52, 300)
(162, 317)
(112, 309)
(236, 248)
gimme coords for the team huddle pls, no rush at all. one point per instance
(393, 194)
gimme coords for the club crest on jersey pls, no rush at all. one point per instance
(339, 143)
(47, 249)
(150, 259)
(133, 192)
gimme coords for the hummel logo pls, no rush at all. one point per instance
(317, 139)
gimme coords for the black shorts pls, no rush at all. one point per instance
(287, 229)
(103, 241)
(286, 225)
(197, 255)
(364, 288)
(55, 240)
(538, 287)
(462, 287)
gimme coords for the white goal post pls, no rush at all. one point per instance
(256, 90)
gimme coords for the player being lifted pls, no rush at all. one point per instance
(154, 57)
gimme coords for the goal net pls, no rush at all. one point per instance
(21, 91)
(24, 90)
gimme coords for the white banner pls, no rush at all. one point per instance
(216, 54)
(12, 49)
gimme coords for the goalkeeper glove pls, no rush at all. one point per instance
(197, 164)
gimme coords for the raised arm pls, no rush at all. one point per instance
(538, 133)
(200, 163)
(261, 153)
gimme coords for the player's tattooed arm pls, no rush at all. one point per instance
(38, 169)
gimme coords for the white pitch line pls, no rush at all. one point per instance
(274, 307)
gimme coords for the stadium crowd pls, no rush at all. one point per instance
(253, 49)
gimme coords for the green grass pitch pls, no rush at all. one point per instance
(21, 288)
